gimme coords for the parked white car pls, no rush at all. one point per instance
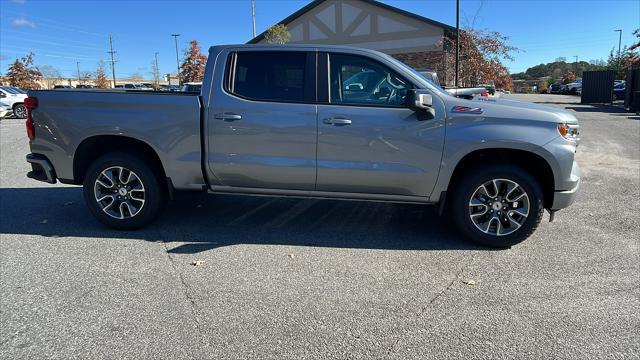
(4, 110)
(131, 86)
(575, 87)
(14, 98)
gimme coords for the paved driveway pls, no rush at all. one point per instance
(286, 278)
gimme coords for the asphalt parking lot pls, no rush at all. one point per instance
(286, 278)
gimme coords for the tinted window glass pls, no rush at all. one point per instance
(360, 81)
(277, 76)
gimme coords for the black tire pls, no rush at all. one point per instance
(20, 111)
(464, 188)
(154, 193)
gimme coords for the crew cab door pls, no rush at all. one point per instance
(368, 140)
(262, 120)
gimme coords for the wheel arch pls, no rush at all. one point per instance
(531, 162)
(95, 146)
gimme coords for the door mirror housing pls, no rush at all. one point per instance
(420, 101)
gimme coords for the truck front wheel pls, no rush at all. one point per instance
(497, 206)
(122, 191)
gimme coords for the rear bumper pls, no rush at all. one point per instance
(563, 199)
(41, 169)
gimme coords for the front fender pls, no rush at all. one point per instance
(466, 134)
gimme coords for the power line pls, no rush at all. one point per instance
(113, 62)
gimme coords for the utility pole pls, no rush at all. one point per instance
(253, 16)
(619, 41)
(113, 62)
(175, 37)
(457, 41)
(156, 73)
(576, 56)
(78, 68)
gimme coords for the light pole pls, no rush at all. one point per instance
(253, 16)
(113, 62)
(576, 56)
(78, 69)
(457, 40)
(156, 73)
(175, 37)
(619, 42)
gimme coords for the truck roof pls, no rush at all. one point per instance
(296, 47)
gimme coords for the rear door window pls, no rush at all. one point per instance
(272, 76)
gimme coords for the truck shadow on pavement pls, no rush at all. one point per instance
(194, 222)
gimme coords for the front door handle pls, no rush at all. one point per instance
(337, 121)
(228, 116)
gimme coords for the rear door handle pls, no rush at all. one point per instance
(228, 116)
(337, 121)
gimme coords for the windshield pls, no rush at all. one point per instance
(10, 90)
(19, 90)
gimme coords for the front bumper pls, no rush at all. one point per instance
(564, 198)
(41, 169)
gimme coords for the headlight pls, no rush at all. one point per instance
(569, 131)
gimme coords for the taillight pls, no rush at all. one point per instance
(30, 103)
(485, 94)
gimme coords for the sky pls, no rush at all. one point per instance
(71, 34)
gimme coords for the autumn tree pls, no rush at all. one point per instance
(619, 60)
(50, 75)
(101, 81)
(634, 50)
(481, 56)
(86, 77)
(568, 77)
(192, 68)
(23, 74)
(277, 34)
(543, 86)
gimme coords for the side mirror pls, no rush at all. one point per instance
(419, 100)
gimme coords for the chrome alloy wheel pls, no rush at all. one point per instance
(499, 207)
(119, 192)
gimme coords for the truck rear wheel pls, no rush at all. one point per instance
(497, 206)
(123, 191)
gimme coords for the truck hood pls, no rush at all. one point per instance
(514, 109)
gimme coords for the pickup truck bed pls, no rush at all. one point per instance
(167, 122)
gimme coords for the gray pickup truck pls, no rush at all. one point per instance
(309, 121)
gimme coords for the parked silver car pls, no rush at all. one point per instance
(289, 121)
